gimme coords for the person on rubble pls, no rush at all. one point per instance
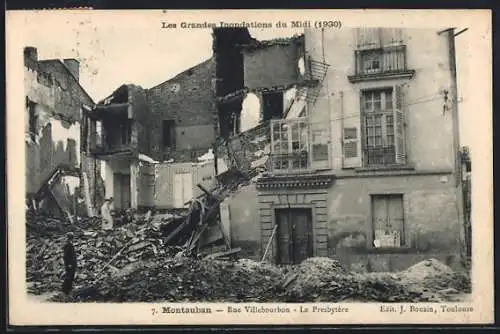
(70, 264)
(107, 219)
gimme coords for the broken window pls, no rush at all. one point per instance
(272, 105)
(388, 220)
(383, 123)
(168, 133)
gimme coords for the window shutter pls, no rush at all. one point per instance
(350, 147)
(351, 138)
(391, 36)
(399, 126)
(367, 38)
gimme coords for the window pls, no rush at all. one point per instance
(383, 124)
(32, 119)
(98, 133)
(168, 133)
(388, 220)
(126, 133)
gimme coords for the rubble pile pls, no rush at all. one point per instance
(434, 277)
(99, 253)
(143, 261)
(187, 279)
(325, 280)
(45, 226)
(427, 268)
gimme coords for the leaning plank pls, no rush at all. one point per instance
(181, 227)
(208, 193)
(113, 258)
(222, 254)
(269, 243)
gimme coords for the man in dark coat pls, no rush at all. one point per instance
(69, 264)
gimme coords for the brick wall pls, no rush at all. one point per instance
(188, 99)
(276, 65)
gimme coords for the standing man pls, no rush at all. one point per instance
(107, 219)
(69, 264)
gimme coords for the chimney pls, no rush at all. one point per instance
(31, 57)
(74, 67)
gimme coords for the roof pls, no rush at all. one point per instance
(43, 68)
(177, 76)
(272, 42)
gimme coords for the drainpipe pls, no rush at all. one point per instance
(450, 33)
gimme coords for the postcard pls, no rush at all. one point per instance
(264, 167)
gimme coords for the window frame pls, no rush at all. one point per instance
(378, 126)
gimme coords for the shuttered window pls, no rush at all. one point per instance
(379, 51)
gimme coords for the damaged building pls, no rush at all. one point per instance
(193, 123)
(327, 136)
(60, 177)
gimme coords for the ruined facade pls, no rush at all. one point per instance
(149, 140)
(57, 171)
(378, 186)
(187, 116)
(117, 134)
(181, 115)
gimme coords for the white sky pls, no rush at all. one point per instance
(113, 54)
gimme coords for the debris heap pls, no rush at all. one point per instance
(99, 253)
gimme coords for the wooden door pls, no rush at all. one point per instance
(183, 189)
(295, 241)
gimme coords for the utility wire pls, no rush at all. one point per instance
(358, 115)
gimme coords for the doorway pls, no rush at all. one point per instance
(272, 105)
(121, 192)
(295, 235)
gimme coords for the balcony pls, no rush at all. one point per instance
(381, 63)
(111, 139)
(297, 145)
